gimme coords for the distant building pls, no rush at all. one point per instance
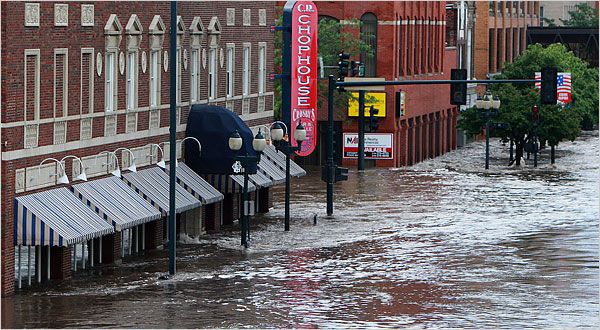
(557, 10)
(410, 41)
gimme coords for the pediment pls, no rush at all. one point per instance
(157, 26)
(113, 26)
(214, 27)
(134, 26)
(197, 27)
(180, 25)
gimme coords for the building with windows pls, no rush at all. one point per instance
(410, 41)
(85, 92)
(500, 29)
(558, 11)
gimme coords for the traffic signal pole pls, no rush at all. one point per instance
(361, 130)
(329, 168)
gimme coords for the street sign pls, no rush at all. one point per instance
(379, 101)
(304, 74)
(364, 88)
(377, 145)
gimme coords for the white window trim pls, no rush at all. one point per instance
(262, 68)
(132, 93)
(246, 71)
(212, 73)
(65, 98)
(36, 110)
(194, 75)
(157, 72)
(113, 83)
(89, 51)
(179, 66)
(230, 67)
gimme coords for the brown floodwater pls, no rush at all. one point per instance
(440, 244)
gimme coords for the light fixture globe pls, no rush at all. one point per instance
(81, 177)
(479, 102)
(277, 132)
(496, 103)
(235, 141)
(300, 133)
(259, 143)
(63, 179)
(487, 102)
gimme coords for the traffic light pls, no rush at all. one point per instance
(343, 65)
(535, 115)
(341, 174)
(355, 69)
(458, 91)
(373, 120)
(548, 93)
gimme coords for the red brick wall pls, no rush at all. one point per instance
(61, 266)
(16, 38)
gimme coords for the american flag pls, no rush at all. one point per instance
(563, 82)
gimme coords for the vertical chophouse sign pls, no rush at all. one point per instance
(304, 73)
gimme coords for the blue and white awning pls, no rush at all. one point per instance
(153, 185)
(228, 184)
(278, 158)
(56, 218)
(114, 201)
(271, 170)
(196, 185)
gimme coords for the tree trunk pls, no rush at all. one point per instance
(551, 154)
(518, 153)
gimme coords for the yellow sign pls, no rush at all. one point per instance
(377, 100)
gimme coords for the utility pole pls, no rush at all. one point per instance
(173, 136)
(361, 130)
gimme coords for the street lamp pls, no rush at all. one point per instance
(81, 175)
(285, 146)
(244, 161)
(63, 179)
(161, 162)
(490, 104)
(117, 171)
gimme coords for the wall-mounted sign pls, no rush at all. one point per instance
(377, 145)
(376, 99)
(304, 73)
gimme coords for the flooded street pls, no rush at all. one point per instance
(443, 243)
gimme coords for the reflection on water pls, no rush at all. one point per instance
(442, 244)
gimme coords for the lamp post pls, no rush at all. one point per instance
(490, 104)
(235, 144)
(286, 147)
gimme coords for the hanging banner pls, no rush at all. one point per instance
(304, 74)
(563, 86)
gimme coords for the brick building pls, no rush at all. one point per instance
(500, 32)
(410, 43)
(80, 78)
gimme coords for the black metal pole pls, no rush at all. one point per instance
(487, 139)
(287, 187)
(552, 154)
(535, 151)
(512, 143)
(330, 169)
(244, 217)
(361, 130)
(173, 136)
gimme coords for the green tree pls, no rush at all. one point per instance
(583, 16)
(333, 38)
(557, 123)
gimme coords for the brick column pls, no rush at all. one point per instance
(154, 234)
(212, 216)
(61, 263)
(264, 198)
(425, 143)
(111, 247)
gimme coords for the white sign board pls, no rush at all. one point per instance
(377, 145)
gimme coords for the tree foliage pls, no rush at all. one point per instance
(583, 16)
(557, 123)
(333, 38)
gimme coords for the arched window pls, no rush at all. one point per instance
(368, 35)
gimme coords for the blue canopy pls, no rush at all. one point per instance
(212, 126)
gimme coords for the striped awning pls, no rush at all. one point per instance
(271, 170)
(153, 185)
(228, 184)
(278, 158)
(56, 218)
(114, 201)
(196, 185)
(260, 180)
